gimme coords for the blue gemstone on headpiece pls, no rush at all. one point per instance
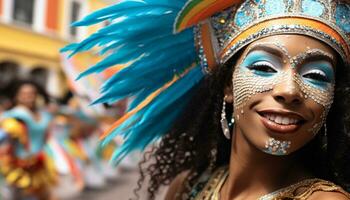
(275, 7)
(312, 8)
(342, 17)
(244, 15)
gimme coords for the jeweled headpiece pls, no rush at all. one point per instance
(242, 23)
(160, 48)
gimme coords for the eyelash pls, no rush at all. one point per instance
(266, 67)
(262, 66)
(317, 75)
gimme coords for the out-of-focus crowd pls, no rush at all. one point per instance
(49, 148)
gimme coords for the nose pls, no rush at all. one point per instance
(288, 91)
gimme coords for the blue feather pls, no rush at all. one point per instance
(128, 53)
(165, 99)
(153, 60)
(149, 77)
(158, 117)
(106, 13)
(141, 36)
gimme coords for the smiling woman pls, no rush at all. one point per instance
(280, 95)
(250, 98)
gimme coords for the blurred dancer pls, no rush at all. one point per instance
(26, 169)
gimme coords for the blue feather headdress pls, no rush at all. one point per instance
(161, 68)
(164, 57)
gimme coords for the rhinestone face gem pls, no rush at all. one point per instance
(277, 147)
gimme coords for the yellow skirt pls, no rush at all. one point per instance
(31, 175)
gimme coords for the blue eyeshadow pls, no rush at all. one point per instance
(259, 55)
(323, 66)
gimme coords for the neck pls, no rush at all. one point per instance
(30, 108)
(254, 173)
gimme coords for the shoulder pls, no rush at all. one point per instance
(176, 186)
(322, 195)
(17, 111)
(321, 190)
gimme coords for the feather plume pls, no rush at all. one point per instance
(159, 72)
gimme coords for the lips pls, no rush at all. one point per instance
(281, 121)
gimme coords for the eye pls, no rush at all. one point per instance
(317, 75)
(262, 66)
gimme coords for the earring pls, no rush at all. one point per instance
(324, 138)
(224, 123)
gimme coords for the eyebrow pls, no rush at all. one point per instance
(271, 48)
(314, 55)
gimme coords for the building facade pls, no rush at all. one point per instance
(31, 34)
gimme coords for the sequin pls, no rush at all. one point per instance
(342, 17)
(274, 7)
(244, 15)
(312, 8)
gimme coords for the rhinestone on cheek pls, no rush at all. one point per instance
(246, 84)
(277, 147)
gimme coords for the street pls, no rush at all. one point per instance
(120, 189)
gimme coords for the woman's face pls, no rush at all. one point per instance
(27, 95)
(283, 88)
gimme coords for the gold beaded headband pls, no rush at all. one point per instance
(227, 31)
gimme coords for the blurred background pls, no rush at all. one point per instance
(31, 34)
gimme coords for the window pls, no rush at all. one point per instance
(39, 75)
(74, 16)
(23, 11)
(9, 71)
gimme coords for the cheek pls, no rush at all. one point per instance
(318, 101)
(249, 123)
(319, 115)
(247, 84)
(322, 96)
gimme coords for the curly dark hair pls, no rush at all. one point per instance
(16, 85)
(196, 143)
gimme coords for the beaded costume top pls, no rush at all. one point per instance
(37, 129)
(208, 188)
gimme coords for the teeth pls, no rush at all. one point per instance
(285, 120)
(278, 120)
(281, 119)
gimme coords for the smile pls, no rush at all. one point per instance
(281, 122)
